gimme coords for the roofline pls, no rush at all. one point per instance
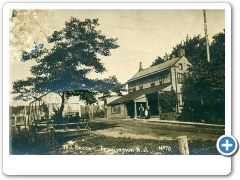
(177, 61)
(101, 97)
(36, 99)
(121, 102)
(155, 71)
(124, 101)
(148, 74)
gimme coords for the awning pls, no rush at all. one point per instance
(141, 98)
(139, 94)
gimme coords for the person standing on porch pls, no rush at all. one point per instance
(148, 112)
(141, 110)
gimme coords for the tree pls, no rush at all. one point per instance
(44, 108)
(217, 77)
(65, 67)
(192, 97)
(157, 61)
(194, 49)
(167, 101)
(204, 85)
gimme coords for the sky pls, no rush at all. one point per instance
(143, 35)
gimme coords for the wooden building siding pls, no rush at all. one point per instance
(146, 82)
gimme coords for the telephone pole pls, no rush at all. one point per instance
(208, 58)
(206, 35)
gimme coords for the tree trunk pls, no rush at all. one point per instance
(61, 107)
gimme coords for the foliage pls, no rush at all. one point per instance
(56, 116)
(204, 83)
(26, 142)
(44, 108)
(167, 101)
(65, 67)
(157, 61)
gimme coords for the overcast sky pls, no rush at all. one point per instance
(142, 35)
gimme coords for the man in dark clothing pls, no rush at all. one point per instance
(141, 110)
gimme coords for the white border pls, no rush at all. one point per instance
(114, 165)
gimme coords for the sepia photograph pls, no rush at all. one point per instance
(116, 81)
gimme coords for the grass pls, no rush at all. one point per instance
(102, 145)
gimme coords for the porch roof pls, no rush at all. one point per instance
(136, 94)
(15, 110)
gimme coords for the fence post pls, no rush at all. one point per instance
(183, 145)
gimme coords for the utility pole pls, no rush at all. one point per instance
(208, 58)
(206, 35)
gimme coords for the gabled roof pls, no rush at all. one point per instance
(136, 94)
(15, 110)
(154, 69)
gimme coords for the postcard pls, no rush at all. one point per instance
(117, 89)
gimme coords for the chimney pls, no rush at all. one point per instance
(181, 52)
(140, 67)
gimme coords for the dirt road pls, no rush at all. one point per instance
(153, 130)
(142, 138)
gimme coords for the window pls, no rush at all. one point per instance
(180, 78)
(134, 87)
(130, 88)
(140, 85)
(161, 80)
(116, 109)
(152, 82)
(180, 66)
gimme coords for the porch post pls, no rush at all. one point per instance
(135, 110)
(146, 102)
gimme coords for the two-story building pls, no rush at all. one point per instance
(146, 86)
